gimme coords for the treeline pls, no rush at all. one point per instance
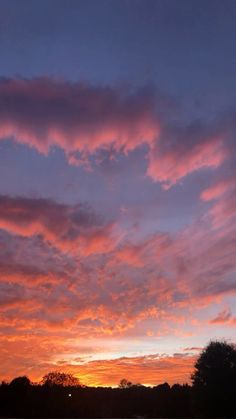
(88, 402)
(212, 394)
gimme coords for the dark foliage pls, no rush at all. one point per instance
(45, 401)
(57, 378)
(20, 382)
(60, 395)
(214, 380)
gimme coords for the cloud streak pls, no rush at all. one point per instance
(82, 119)
(168, 166)
(76, 117)
(224, 317)
(70, 228)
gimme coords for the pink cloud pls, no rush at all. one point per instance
(25, 274)
(217, 190)
(131, 255)
(193, 349)
(70, 228)
(171, 165)
(43, 113)
(223, 212)
(224, 317)
(82, 119)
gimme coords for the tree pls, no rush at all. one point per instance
(57, 378)
(164, 388)
(214, 379)
(125, 383)
(20, 382)
(216, 363)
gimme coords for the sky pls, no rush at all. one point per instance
(117, 187)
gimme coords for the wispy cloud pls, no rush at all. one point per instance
(66, 227)
(224, 317)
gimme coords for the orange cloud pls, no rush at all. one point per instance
(25, 274)
(117, 293)
(129, 289)
(149, 370)
(131, 254)
(21, 356)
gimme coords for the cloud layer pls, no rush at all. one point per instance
(81, 119)
(141, 262)
(43, 113)
(66, 227)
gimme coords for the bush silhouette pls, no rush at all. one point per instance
(20, 382)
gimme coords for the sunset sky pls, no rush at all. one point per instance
(117, 186)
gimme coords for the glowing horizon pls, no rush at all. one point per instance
(117, 187)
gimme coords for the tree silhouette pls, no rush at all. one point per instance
(60, 395)
(57, 378)
(20, 382)
(214, 379)
(125, 383)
